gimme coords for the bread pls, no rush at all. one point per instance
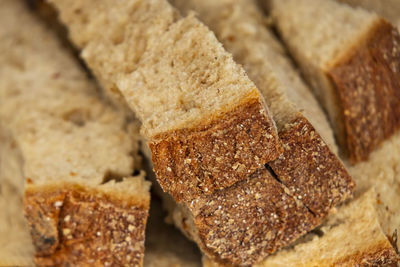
(238, 25)
(351, 58)
(388, 9)
(15, 242)
(206, 123)
(350, 237)
(78, 157)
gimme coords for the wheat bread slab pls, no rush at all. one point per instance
(307, 166)
(353, 74)
(388, 9)
(78, 155)
(184, 87)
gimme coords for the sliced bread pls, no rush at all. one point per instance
(206, 123)
(81, 203)
(351, 57)
(388, 9)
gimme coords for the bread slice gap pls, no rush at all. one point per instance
(351, 57)
(70, 143)
(207, 124)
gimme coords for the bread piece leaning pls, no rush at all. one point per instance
(206, 123)
(81, 202)
(351, 57)
(299, 188)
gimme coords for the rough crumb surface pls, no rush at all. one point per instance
(180, 79)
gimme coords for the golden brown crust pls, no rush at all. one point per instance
(313, 174)
(71, 226)
(367, 82)
(377, 255)
(250, 220)
(197, 161)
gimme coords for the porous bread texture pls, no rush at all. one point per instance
(72, 144)
(206, 122)
(15, 241)
(389, 9)
(350, 237)
(347, 71)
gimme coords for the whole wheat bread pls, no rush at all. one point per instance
(388, 9)
(307, 190)
(351, 57)
(206, 123)
(78, 154)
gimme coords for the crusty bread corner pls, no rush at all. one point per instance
(192, 162)
(73, 224)
(367, 79)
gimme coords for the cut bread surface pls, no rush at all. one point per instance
(351, 58)
(388, 9)
(77, 154)
(206, 122)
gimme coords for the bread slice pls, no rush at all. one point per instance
(350, 237)
(388, 9)
(297, 171)
(81, 203)
(351, 58)
(207, 124)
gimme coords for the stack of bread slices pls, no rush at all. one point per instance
(202, 99)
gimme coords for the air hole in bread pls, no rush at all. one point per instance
(112, 176)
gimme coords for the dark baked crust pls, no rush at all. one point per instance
(250, 220)
(313, 174)
(71, 226)
(197, 161)
(367, 82)
(377, 255)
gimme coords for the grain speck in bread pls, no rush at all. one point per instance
(78, 157)
(206, 122)
(351, 57)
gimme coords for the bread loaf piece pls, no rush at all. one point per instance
(300, 183)
(206, 123)
(352, 59)
(82, 205)
(388, 9)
